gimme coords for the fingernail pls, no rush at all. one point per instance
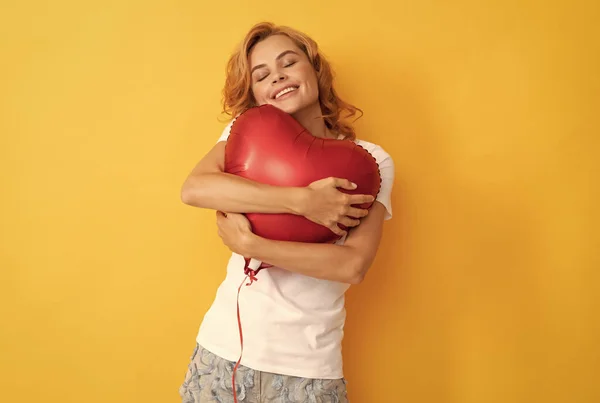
(354, 185)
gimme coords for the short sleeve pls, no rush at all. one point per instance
(226, 132)
(386, 170)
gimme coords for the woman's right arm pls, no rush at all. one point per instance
(207, 186)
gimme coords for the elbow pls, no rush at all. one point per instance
(191, 193)
(186, 194)
(184, 197)
(357, 271)
(356, 279)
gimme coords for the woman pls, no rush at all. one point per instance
(293, 318)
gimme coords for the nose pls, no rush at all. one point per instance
(278, 77)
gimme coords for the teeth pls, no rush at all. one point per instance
(285, 91)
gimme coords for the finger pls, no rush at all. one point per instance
(337, 230)
(349, 222)
(221, 214)
(237, 218)
(344, 184)
(361, 199)
(357, 212)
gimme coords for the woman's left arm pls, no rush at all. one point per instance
(346, 263)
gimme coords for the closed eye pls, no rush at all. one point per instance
(286, 65)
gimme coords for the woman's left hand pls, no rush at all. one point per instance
(235, 231)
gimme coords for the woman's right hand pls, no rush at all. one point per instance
(324, 204)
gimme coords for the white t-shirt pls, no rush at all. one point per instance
(292, 324)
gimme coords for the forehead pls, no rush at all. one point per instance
(268, 49)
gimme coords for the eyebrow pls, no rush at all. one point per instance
(277, 58)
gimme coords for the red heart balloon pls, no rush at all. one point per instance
(269, 146)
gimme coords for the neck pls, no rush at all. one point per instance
(310, 118)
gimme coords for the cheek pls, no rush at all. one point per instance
(314, 87)
(312, 81)
(260, 94)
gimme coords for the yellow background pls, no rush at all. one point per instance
(486, 285)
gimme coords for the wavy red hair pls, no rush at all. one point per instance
(237, 93)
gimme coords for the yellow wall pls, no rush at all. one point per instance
(486, 286)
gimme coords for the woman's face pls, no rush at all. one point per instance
(282, 75)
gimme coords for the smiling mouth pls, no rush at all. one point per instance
(286, 91)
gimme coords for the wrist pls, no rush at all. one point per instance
(249, 244)
(297, 199)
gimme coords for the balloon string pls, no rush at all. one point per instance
(251, 274)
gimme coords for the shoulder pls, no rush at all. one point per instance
(226, 131)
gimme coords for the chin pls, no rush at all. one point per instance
(296, 107)
(287, 108)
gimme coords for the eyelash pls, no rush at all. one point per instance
(287, 65)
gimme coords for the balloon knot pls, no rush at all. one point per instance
(251, 275)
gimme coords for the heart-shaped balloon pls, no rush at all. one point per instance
(268, 145)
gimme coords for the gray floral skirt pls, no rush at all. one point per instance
(208, 379)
